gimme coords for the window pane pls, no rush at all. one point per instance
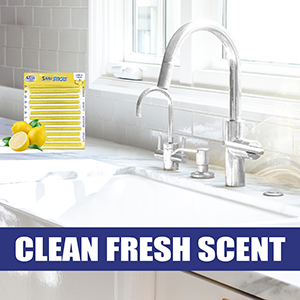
(145, 26)
(265, 30)
(173, 18)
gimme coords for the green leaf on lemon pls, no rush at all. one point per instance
(35, 123)
(6, 141)
(35, 147)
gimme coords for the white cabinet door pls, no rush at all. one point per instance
(137, 285)
(184, 286)
(54, 285)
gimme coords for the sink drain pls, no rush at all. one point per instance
(273, 194)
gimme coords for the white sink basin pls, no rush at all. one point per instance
(129, 200)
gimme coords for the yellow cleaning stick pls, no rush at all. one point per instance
(62, 128)
(54, 107)
(53, 91)
(63, 133)
(63, 139)
(55, 85)
(61, 123)
(62, 145)
(56, 112)
(41, 118)
(53, 96)
(54, 101)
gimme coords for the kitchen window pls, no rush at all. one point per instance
(136, 32)
(149, 24)
(264, 31)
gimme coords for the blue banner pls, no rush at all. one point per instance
(150, 249)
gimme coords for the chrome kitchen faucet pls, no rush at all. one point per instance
(236, 147)
(165, 150)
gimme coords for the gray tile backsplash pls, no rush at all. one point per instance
(24, 16)
(41, 35)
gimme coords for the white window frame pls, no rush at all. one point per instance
(267, 78)
(106, 19)
(129, 55)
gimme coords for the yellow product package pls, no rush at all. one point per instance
(57, 100)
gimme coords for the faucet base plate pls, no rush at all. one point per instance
(202, 175)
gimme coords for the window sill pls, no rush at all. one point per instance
(254, 106)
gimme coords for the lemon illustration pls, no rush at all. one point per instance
(79, 82)
(21, 126)
(19, 141)
(37, 136)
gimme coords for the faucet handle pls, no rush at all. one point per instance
(183, 142)
(245, 148)
(159, 153)
(159, 141)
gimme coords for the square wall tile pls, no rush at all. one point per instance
(61, 17)
(94, 127)
(18, 110)
(275, 137)
(216, 154)
(13, 57)
(124, 112)
(84, 3)
(15, 2)
(19, 79)
(209, 127)
(48, 61)
(70, 2)
(297, 142)
(100, 108)
(3, 2)
(113, 95)
(6, 76)
(14, 36)
(2, 56)
(42, 16)
(82, 62)
(83, 40)
(31, 37)
(24, 16)
(51, 3)
(30, 58)
(67, 62)
(249, 130)
(49, 38)
(7, 108)
(33, 2)
(69, 40)
(137, 137)
(183, 121)
(79, 18)
(153, 117)
(8, 15)
(114, 132)
(2, 35)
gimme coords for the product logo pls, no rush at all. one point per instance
(30, 78)
(53, 78)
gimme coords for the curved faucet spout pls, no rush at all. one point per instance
(170, 108)
(175, 43)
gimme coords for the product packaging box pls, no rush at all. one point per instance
(57, 100)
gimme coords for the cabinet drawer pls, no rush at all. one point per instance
(184, 286)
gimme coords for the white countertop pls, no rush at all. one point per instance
(35, 166)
